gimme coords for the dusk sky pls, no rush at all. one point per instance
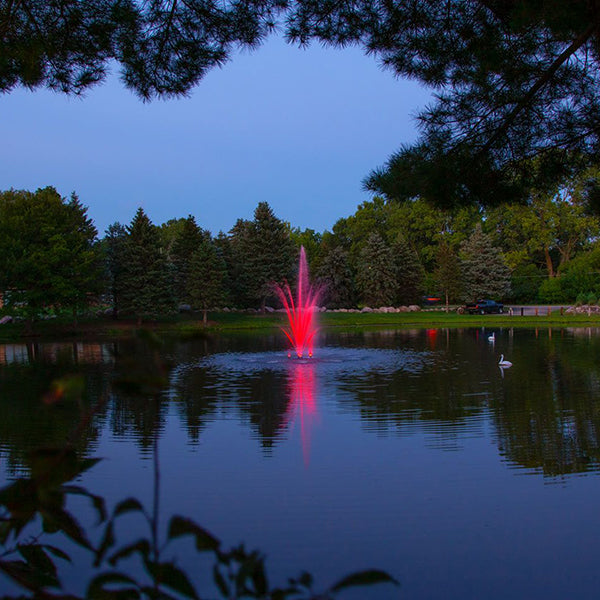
(296, 128)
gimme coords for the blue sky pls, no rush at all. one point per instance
(297, 128)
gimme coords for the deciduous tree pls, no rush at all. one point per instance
(48, 253)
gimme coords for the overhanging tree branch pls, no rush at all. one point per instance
(539, 84)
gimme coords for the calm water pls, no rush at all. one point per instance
(410, 451)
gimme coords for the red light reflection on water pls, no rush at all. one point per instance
(432, 338)
(302, 402)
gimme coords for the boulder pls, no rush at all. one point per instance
(6, 319)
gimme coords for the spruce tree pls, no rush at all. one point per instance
(114, 243)
(207, 277)
(376, 273)
(266, 253)
(447, 274)
(186, 242)
(484, 271)
(409, 272)
(147, 289)
(336, 279)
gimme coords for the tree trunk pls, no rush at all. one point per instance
(447, 303)
(205, 316)
(549, 264)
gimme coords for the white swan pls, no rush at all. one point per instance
(504, 363)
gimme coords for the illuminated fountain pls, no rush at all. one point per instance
(301, 311)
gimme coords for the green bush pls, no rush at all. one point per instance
(551, 291)
(525, 283)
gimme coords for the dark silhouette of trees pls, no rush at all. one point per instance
(147, 287)
(48, 253)
(376, 276)
(186, 242)
(264, 253)
(484, 272)
(336, 279)
(114, 249)
(207, 277)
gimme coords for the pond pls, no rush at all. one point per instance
(409, 451)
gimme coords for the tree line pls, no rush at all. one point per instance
(385, 254)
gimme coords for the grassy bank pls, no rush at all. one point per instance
(230, 322)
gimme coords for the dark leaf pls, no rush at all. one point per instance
(112, 586)
(128, 505)
(108, 541)
(97, 501)
(37, 559)
(141, 547)
(221, 582)
(369, 577)
(171, 576)
(180, 526)
(66, 523)
(57, 552)
(26, 576)
(259, 578)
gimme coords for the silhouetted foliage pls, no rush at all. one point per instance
(376, 275)
(147, 290)
(484, 271)
(48, 256)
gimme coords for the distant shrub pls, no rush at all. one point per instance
(525, 283)
(581, 276)
(552, 292)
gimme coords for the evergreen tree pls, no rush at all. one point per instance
(223, 246)
(207, 277)
(484, 271)
(147, 289)
(236, 257)
(336, 279)
(376, 273)
(185, 243)
(409, 272)
(266, 253)
(447, 274)
(114, 244)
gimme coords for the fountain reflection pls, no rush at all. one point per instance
(302, 402)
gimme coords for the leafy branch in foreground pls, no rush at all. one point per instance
(31, 563)
(237, 572)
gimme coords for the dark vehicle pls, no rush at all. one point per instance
(484, 306)
(431, 300)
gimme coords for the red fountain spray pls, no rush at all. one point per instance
(301, 311)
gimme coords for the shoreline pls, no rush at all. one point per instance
(221, 323)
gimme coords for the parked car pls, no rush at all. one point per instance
(431, 300)
(484, 306)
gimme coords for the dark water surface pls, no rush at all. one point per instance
(409, 451)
